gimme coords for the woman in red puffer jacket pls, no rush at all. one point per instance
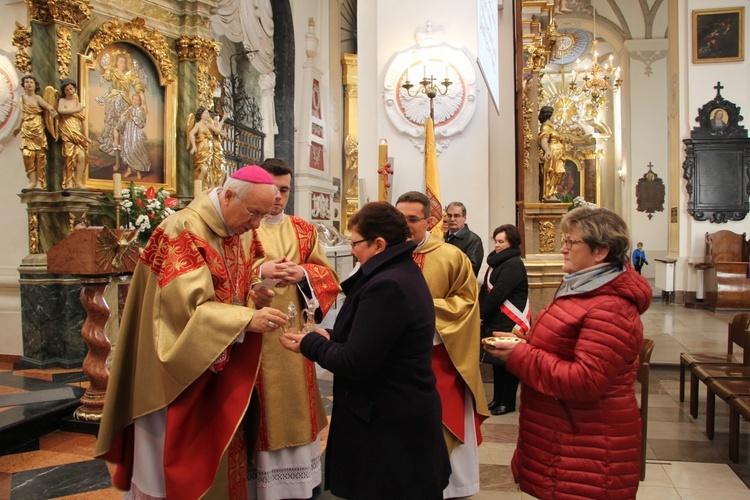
(579, 425)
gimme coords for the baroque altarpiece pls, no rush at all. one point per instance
(553, 179)
(159, 70)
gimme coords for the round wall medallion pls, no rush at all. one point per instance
(454, 105)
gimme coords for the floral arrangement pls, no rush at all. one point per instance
(142, 209)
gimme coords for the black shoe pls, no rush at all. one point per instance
(493, 405)
(502, 410)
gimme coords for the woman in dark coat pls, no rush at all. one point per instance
(386, 437)
(503, 297)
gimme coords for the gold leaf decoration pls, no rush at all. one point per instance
(135, 31)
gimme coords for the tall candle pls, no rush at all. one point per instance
(117, 185)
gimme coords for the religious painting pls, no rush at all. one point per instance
(130, 118)
(718, 119)
(571, 184)
(718, 35)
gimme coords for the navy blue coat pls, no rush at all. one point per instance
(386, 438)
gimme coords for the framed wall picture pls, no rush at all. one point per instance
(127, 85)
(718, 35)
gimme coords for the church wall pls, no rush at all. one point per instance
(648, 131)
(14, 222)
(697, 82)
(464, 163)
(501, 207)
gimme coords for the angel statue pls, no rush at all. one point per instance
(202, 129)
(553, 168)
(218, 162)
(116, 100)
(73, 131)
(36, 114)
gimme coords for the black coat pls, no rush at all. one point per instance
(471, 244)
(507, 274)
(386, 438)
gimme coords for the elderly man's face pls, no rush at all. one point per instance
(455, 217)
(242, 215)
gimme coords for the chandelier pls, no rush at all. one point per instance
(593, 83)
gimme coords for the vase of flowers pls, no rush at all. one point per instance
(142, 208)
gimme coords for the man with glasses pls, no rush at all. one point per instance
(287, 453)
(455, 357)
(460, 235)
(188, 349)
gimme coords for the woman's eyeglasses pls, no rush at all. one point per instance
(357, 242)
(568, 243)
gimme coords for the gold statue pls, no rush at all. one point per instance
(218, 161)
(73, 131)
(200, 141)
(553, 168)
(36, 111)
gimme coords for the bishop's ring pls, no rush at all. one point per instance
(271, 324)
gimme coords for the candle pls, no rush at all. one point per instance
(197, 187)
(117, 185)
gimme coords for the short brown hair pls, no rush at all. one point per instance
(380, 219)
(512, 234)
(276, 166)
(600, 228)
(416, 197)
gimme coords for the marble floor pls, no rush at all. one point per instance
(682, 463)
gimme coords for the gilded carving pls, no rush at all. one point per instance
(135, 31)
(34, 233)
(546, 236)
(528, 137)
(21, 39)
(538, 57)
(204, 51)
(72, 12)
(63, 50)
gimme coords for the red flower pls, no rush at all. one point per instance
(139, 202)
(171, 202)
(151, 216)
(150, 193)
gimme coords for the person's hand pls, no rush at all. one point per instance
(266, 319)
(262, 297)
(291, 340)
(501, 350)
(294, 274)
(282, 269)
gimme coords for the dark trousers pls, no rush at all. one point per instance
(505, 385)
(638, 268)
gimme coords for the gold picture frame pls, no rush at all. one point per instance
(718, 35)
(144, 92)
